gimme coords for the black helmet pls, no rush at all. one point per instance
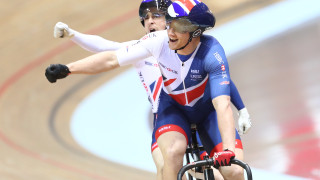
(145, 6)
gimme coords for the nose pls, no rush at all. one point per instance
(150, 20)
(170, 31)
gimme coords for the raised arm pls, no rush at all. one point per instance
(92, 43)
(97, 63)
(94, 64)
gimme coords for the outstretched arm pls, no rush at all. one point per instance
(92, 43)
(97, 63)
(94, 64)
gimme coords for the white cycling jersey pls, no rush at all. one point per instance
(147, 68)
(151, 79)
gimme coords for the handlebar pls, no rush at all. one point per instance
(210, 162)
(244, 166)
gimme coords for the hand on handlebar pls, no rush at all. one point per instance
(223, 158)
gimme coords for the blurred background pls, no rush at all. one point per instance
(68, 130)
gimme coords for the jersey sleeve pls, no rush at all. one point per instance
(94, 43)
(149, 45)
(218, 69)
(235, 96)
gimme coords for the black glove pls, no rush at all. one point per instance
(56, 71)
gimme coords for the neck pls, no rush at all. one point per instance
(190, 47)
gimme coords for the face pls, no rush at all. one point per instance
(154, 21)
(177, 37)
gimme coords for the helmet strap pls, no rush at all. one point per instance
(192, 35)
(190, 39)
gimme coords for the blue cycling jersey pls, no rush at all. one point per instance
(189, 86)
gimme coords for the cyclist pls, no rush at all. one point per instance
(82, 40)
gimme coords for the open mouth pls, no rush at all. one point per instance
(173, 40)
(152, 30)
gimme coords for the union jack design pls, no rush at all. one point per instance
(155, 88)
(167, 82)
(190, 95)
(182, 7)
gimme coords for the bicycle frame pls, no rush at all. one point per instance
(194, 149)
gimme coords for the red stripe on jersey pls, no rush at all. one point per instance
(197, 92)
(156, 91)
(180, 98)
(168, 82)
(192, 95)
(170, 127)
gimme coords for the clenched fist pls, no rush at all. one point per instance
(62, 30)
(56, 71)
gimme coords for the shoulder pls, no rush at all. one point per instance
(154, 42)
(211, 45)
(210, 42)
(155, 35)
(212, 51)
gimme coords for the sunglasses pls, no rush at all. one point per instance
(181, 25)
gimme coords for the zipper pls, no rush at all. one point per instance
(184, 86)
(182, 71)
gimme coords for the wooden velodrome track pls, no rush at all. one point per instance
(35, 142)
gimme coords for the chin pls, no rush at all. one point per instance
(171, 46)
